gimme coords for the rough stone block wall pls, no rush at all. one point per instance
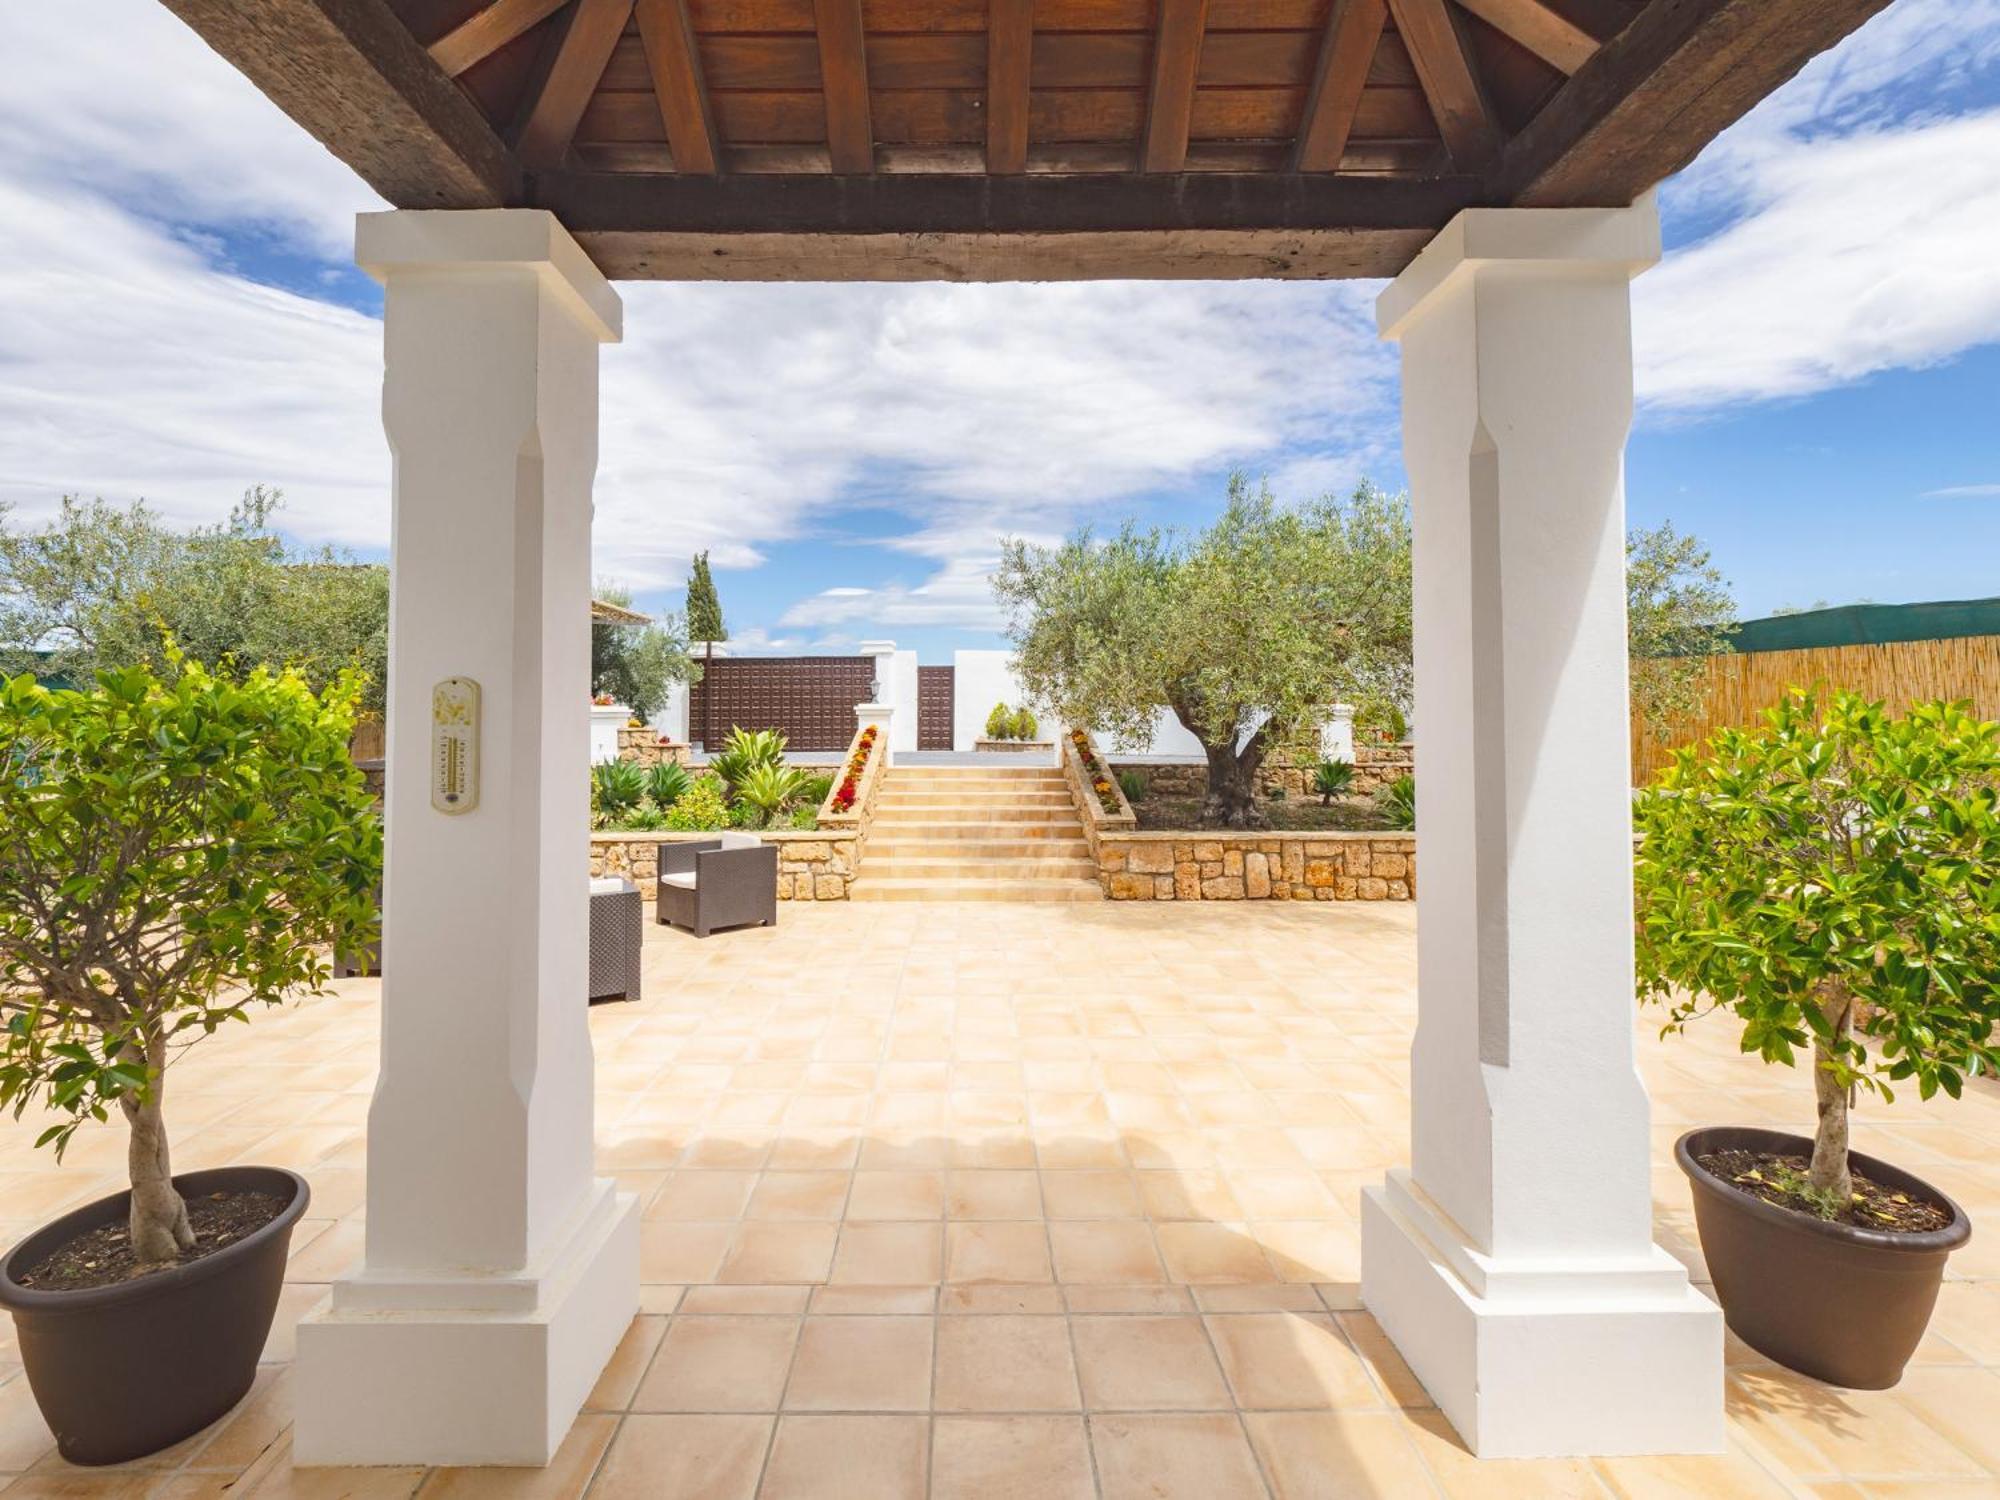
(1258, 867)
(643, 745)
(1374, 766)
(815, 866)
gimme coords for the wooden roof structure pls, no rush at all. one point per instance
(1014, 139)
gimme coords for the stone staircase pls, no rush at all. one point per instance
(951, 833)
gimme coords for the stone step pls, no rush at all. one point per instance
(871, 888)
(903, 867)
(975, 781)
(899, 799)
(959, 815)
(884, 846)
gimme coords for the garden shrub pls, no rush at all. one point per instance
(703, 807)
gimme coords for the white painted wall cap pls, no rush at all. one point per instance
(529, 238)
(1594, 238)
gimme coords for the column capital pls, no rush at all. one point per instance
(532, 239)
(1625, 240)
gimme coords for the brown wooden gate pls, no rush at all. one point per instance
(810, 699)
(935, 730)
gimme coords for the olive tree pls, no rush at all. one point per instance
(1246, 632)
(1832, 877)
(637, 663)
(1678, 613)
(172, 852)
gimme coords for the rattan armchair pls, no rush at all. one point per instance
(727, 881)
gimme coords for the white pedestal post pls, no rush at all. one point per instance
(1513, 1264)
(1336, 735)
(881, 709)
(499, 1273)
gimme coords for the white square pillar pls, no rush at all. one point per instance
(1513, 1264)
(500, 1272)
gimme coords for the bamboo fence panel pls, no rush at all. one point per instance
(1742, 686)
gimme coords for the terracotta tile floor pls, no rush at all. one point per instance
(1019, 1203)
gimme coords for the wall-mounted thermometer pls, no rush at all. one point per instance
(455, 745)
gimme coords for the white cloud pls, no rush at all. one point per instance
(1964, 492)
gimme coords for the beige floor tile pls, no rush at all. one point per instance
(1463, 1477)
(847, 1458)
(566, 1477)
(1147, 1364)
(1174, 1458)
(1011, 1458)
(620, 1376)
(673, 1252)
(981, 1298)
(24, 1436)
(850, 1301)
(1723, 1476)
(1962, 1402)
(279, 1480)
(1197, 1194)
(778, 1252)
(1200, 1252)
(1820, 1431)
(798, 1195)
(719, 1364)
(1324, 1455)
(702, 1195)
(976, 1251)
(1004, 1364)
(862, 1364)
(1290, 1362)
(1154, 1297)
(888, 1254)
(1090, 1195)
(1116, 1252)
(719, 1301)
(994, 1194)
(896, 1195)
(689, 1458)
(1400, 1387)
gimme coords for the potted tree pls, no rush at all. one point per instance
(1832, 879)
(173, 853)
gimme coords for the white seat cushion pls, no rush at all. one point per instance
(735, 840)
(610, 885)
(683, 881)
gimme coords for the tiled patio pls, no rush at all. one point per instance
(1009, 1203)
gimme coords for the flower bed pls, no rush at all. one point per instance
(849, 786)
(1097, 776)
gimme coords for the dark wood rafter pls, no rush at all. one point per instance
(1677, 76)
(843, 64)
(573, 62)
(1170, 104)
(1450, 80)
(1353, 33)
(350, 72)
(1563, 33)
(486, 31)
(1010, 40)
(674, 63)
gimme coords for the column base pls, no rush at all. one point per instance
(485, 1371)
(1544, 1360)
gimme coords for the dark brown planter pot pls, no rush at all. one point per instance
(1834, 1301)
(122, 1371)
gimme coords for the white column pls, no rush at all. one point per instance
(1513, 1263)
(500, 1272)
(1336, 735)
(881, 707)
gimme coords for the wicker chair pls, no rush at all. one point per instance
(617, 928)
(727, 881)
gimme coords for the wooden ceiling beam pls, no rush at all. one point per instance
(1563, 33)
(1677, 76)
(843, 68)
(1353, 32)
(350, 73)
(674, 61)
(574, 61)
(1450, 81)
(1170, 105)
(1010, 41)
(486, 31)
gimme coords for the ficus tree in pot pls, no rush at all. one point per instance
(1832, 879)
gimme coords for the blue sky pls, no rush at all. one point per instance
(1818, 356)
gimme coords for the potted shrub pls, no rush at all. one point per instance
(173, 854)
(1832, 879)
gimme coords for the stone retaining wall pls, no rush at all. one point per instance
(1319, 866)
(812, 866)
(1374, 766)
(646, 746)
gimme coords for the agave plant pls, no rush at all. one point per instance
(744, 751)
(1398, 802)
(665, 783)
(767, 789)
(1332, 778)
(616, 785)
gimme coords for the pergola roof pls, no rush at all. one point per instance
(1003, 139)
(604, 612)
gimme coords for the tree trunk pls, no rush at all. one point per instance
(1829, 1160)
(1232, 788)
(159, 1219)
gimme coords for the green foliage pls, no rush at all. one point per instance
(1133, 785)
(636, 664)
(744, 752)
(1000, 723)
(816, 789)
(1025, 725)
(704, 606)
(1397, 801)
(100, 587)
(1832, 878)
(1332, 778)
(1245, 631)
(616, 785)
(1678, 613)
(173, 852)
(666, 782)
(804, 818)
(704, 806)
(769, 788)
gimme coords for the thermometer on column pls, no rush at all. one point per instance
(455, 745)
